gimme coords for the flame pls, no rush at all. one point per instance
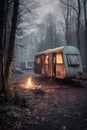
(29, 82)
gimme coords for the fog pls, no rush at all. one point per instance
(38, 20)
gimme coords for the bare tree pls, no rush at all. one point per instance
(68, 17)
(49, 37)
(3, 17)
(76, 11)
(7, 42)
(78, 23)
(85, 31)
(26, 23)
(12, 39)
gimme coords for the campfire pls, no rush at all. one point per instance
(29, 84)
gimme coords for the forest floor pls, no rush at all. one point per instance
(43, 104)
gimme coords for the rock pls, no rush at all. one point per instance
(37, 118)
(43, 119)
(85, 119)
(64, 128)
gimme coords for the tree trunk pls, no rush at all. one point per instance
(12, 39)
(2, 21)
(78, 24)
(67, 23)
(2, 6)
(85, 32)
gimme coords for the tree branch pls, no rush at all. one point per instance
(69, 6)
(26, 8)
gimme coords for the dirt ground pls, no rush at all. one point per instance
(49, 104)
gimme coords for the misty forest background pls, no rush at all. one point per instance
(29, 26)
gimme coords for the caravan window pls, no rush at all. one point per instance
(73, 59)
(59, 59)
